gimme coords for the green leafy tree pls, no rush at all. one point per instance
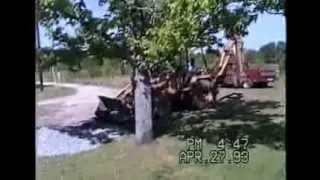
(268, 52)
(251, 55)
(273, 52)
(281, 55)
(149, 35)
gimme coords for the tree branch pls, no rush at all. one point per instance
(143, 8)
(274, 13)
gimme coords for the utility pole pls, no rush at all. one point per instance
(38, 47)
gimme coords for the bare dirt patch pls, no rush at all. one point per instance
(44, 114)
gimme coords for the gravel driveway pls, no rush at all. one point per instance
(67, 114)
(68, 110)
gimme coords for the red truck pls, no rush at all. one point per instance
(251, 76)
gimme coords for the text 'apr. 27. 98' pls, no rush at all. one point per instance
(235, 152)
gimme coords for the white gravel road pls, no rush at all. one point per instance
(70, 111)
(75, 108)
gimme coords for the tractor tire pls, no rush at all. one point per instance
(270, 84)
(246, 85)
(264, 85)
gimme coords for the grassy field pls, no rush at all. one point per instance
(159, 161)
(111, 81)
(257, 113)
(52, 92)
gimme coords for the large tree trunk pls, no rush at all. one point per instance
(143, 109)
(38, 59)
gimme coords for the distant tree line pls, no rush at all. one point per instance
(270, 53)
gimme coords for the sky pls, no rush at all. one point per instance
(268, 28)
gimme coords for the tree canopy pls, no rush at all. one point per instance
(148, 33)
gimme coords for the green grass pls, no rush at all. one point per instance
(259, 117)
(157, 161)
(52, 92)
(110, 81)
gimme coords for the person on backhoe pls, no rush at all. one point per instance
(191, 65)
(190, 70)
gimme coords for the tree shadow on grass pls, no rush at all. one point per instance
(233, 118)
